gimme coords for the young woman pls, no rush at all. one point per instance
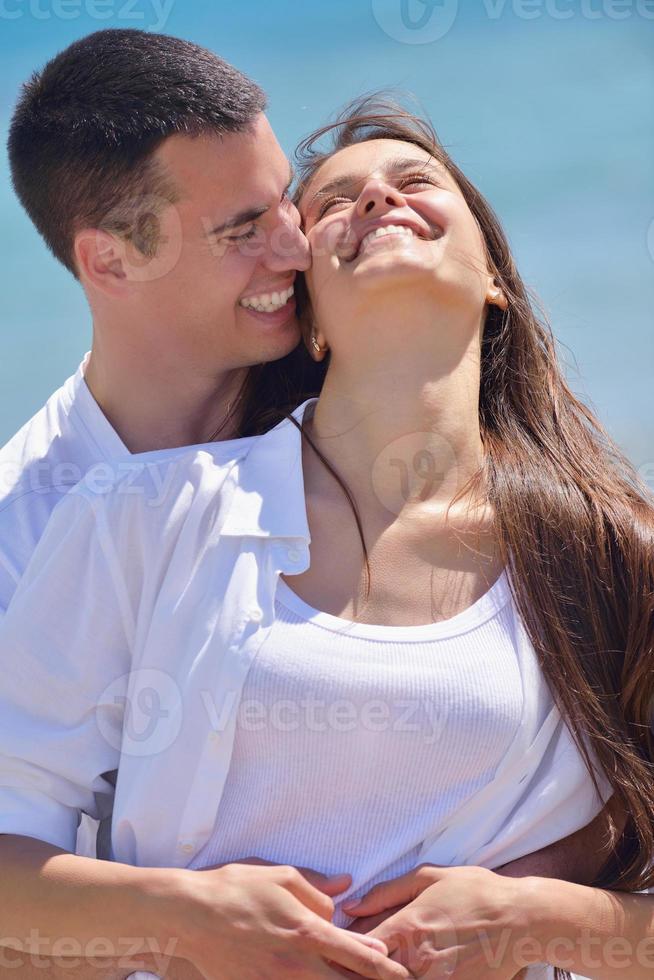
(385, 701)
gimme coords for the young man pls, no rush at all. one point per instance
(153, 175)
(149, 168)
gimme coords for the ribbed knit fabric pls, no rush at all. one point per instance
(354, 742)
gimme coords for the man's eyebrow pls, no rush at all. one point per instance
(250, 214)
(392, 167)
(242, 218)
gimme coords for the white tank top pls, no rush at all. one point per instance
(355, 742)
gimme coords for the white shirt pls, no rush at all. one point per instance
(46, 457)
(130, 638)
(38, 466)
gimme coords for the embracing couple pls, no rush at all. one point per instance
(352, 599)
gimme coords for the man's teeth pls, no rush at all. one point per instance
(386, 230)
(268, 302)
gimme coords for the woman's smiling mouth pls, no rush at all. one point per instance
(404, 232)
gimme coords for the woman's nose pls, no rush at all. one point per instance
(377, 197)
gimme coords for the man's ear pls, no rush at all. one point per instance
(100, 260)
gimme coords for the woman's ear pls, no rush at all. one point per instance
(313, 338)
(495, 295)
(316, 344)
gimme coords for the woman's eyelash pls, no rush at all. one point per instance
(415, 179)
(409, 179)
(328, 203)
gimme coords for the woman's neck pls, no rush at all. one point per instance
(401, 433)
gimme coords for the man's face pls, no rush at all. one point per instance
(217, 289)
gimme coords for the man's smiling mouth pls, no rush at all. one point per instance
(268, 302)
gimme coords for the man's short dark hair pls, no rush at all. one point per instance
(86, 126)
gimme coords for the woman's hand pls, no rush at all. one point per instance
(464, 923)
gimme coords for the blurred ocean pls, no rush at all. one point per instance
(548, 107)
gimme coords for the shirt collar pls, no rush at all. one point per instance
(268, 485)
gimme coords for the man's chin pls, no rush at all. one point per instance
(280, 341)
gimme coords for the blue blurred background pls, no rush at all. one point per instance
(548, 106)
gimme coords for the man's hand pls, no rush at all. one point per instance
(577, 858)
(468, 919)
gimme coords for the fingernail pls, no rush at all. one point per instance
(348, 906)
(337, 877)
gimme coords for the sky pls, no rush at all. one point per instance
(547, 105)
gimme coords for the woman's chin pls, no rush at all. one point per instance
(393, 267)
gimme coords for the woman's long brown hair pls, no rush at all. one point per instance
(574, 522)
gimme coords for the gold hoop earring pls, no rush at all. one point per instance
(316, 346)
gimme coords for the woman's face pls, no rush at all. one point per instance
(390, 230)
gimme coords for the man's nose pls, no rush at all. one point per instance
(288, 247)
(378, 197)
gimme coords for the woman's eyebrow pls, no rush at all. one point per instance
(391, 168)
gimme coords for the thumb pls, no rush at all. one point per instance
(327, 884)
(386, 895)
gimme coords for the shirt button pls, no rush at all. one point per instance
(214, 736)
(186, 847)
(293, 555)
(255, 614)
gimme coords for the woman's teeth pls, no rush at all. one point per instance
(386, 230)
(267, 302)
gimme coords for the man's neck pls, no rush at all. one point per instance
(159, 408)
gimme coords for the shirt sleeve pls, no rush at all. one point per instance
(557, 800)
(24, 517)
(65, 654)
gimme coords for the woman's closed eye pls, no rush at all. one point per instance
(416, 179)
(411, 180)
(330, 203)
